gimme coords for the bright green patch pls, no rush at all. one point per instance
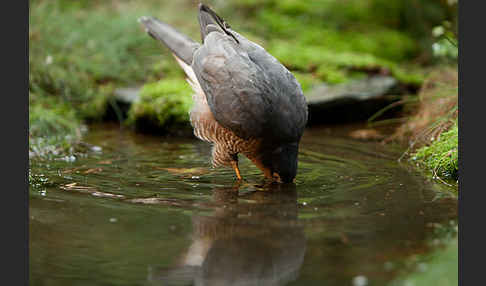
(162, 105)
(442, 155)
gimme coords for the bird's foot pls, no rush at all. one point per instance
(234, 164)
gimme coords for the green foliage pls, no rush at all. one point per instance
(48, 117)
(74, 53)
(379, 42)
(412, 19)
(336, 67)
(337, 40)
(442, 155)
(53, 127)
(446, 45)
(100, 44)
(162, 105)
(332, 40)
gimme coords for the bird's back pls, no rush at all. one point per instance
(248, 90)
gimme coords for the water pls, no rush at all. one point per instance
(142, 210)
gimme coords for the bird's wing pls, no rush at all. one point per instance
(248, 90)
(229, 80)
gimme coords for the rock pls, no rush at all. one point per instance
(123, 99)
(354, 101)
(127, 95)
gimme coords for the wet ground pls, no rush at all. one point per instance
(143, 210)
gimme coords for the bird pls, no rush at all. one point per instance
(245, 101)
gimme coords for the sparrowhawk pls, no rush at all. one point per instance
(245, 100)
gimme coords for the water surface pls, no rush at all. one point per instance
(143, 210)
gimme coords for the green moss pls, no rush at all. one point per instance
(162, 105)
(400, 15)
(332, 25)
(50, 117)
(442, 155)
(95, 108)
(86, 43)
(409, 75)
(339, 40)
(74, 52)
(337, 67)
(53, 127)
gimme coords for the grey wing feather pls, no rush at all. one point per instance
(225, 74)
(248, 90)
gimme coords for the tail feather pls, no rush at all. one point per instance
(181, 45)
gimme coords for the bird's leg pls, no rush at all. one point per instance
(234, 164)
(221, 156)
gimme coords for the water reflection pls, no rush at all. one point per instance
(251, 239)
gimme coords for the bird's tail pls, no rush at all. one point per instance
(181, 45)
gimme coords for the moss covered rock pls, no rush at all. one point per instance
(162, 107)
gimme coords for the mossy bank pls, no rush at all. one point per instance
(441, 157)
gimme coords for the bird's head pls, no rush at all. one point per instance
(283, 162)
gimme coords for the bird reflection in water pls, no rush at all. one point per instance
(252, 238)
